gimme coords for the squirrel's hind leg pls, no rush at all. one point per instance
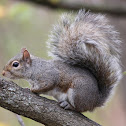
(85, 97)
(68, 102)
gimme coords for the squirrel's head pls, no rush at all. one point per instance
(16, 67)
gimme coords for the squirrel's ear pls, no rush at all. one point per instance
(26, 55)
(23, 49)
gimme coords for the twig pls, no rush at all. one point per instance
(118, 10)
(20, 120)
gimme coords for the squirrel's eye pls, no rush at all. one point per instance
(15, 64)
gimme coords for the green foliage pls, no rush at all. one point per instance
(3, 1)
(124, 72)
(21, 12)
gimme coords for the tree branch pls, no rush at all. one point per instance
(119, 10)
(23, 102)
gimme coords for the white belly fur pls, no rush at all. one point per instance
(57, 94)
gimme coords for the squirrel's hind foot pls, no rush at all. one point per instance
(66, 105)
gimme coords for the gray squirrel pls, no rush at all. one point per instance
(85, 66)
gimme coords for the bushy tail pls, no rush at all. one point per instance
(87, 40)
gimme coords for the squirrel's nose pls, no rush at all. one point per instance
(3, 73)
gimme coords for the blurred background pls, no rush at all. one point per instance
(28, 24)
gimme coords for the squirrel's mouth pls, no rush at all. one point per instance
(7, 74)
(3, 73)
(10, 75)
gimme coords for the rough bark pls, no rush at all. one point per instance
(118, 10)
(23, 102)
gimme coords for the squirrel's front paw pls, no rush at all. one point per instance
(65, 105)
(35, 90)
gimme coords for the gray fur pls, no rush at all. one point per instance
(88, 40)
(86, 65)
